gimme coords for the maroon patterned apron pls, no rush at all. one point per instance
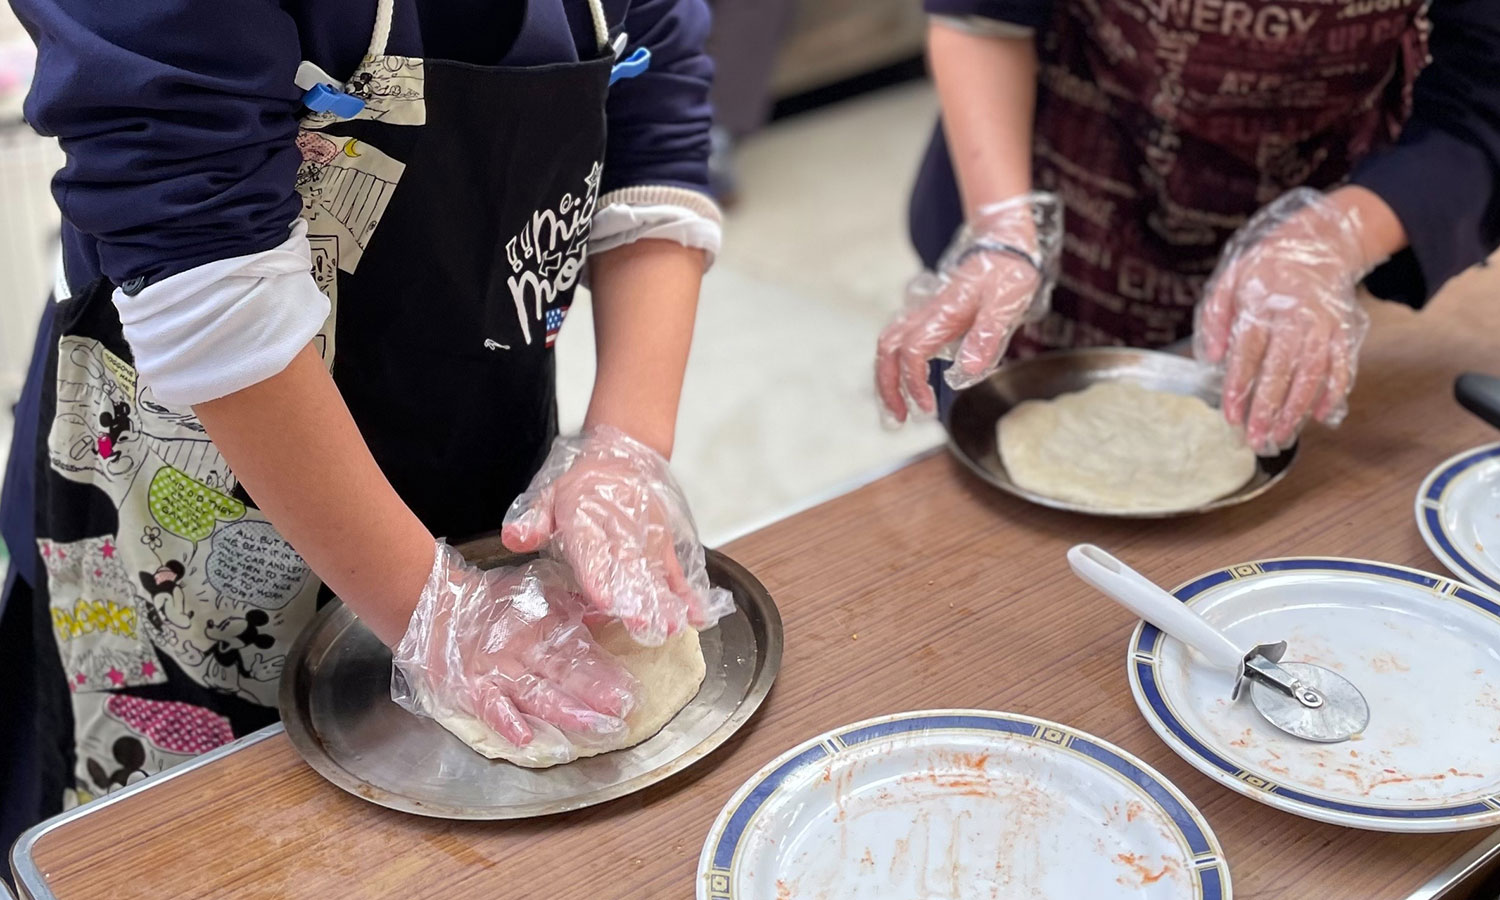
(1164, 124)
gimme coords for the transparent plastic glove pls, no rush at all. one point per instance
(1280, 318)
(996, 275)
(608, 506)
(508, 647)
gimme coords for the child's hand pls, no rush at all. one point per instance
(608, 506)
(508, 647)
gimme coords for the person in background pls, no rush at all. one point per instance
(317, 255)
(1254, 161)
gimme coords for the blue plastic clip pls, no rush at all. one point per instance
(323, 99)
(635, 64)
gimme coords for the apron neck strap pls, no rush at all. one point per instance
(601, 25)
(385, 10)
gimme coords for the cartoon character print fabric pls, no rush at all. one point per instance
(346, 184)
(191, 580)
(126, 738)
(194, 581)
(172, 600)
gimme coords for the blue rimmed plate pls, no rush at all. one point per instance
(1424, 651)
(1458, 513)
(949, 804)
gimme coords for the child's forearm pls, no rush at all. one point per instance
(293, 444)
(645, 299)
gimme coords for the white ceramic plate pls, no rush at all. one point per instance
(1425, 652)
(955, 804)
(1458, 513)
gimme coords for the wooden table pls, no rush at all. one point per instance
(923, 589)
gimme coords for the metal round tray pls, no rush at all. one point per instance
(336, 703)
(971, 419)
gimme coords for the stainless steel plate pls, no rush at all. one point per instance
(335, 700)
(970, 421)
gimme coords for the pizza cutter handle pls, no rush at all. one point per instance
(1138, 594)
(1480, 395)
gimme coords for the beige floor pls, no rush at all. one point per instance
(778, 406)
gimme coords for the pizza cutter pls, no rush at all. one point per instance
(1304, 700)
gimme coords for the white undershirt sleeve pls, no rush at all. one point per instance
(673, 214)
(225, 325)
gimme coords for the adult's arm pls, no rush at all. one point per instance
(1442, 178)
(983, 58)
(987, 88)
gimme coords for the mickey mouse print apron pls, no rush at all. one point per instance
(448, 220)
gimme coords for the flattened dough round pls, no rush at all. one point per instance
(670, 676)
(1119, 447)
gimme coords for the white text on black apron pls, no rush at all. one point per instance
(547, 255)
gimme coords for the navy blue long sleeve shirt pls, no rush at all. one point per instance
(178, 117)
(1441, 178)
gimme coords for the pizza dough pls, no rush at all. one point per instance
(669, 675)
(1119, 447)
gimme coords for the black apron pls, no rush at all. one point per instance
(448, 221)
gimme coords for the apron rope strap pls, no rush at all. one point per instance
(601, 25)
(384, 10)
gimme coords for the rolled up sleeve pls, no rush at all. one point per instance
(178, 122)
(1442, 178)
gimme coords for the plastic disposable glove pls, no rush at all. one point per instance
(1280, 318)
(608, 506)
(996, 275)
(508, 647)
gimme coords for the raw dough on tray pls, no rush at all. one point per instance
(670, 676)
(1119, 447)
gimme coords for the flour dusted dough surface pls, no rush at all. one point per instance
(670, 676)
(1119, 447)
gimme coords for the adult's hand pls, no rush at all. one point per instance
(1281, 317)
(997, 275)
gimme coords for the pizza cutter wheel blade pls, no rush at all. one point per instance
(1301, 699)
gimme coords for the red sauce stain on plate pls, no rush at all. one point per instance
(1388, 662)
(1141, 872)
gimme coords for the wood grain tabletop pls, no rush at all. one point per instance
(924, 589)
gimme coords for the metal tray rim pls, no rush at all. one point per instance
(990, 477)
(291, 699)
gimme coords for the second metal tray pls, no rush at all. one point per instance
(971, 420)
(335, 702)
